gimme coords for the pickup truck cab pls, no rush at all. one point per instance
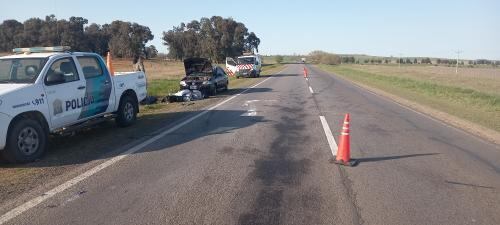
(47, 90)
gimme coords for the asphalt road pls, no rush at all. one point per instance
(263, 158)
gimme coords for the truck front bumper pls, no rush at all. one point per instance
(4, 126)
(249, 73)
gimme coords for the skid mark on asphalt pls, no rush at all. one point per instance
(351, 194)
(278, 172)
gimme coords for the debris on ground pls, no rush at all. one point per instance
(184, 96)
(149, 100)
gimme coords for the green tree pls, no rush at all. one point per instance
(31, 34)
(151, 52)
(253, 42)
(11, 33)
(215, 38)
(97, 39)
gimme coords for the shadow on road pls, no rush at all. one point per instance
(286, 75)
(234, 91)
(384, 158)
(106, 140)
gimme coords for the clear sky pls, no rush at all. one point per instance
(384, 28)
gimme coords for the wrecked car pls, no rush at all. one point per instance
(203, 76)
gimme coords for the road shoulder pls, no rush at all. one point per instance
(449, 120)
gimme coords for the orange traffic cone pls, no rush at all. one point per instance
(344, 152)
(305, 72)
(109, 64)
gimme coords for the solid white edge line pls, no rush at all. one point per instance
(70, 183)
(311, 90)
(329, 136)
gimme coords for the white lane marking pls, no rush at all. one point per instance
(307, 79)
(311, 90)
(247, 103)
(251, 112)
(68, 184)
(252, 107)
(329, 136)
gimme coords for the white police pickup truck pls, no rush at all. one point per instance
(49, 90)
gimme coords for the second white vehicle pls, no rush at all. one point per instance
(48, 90)
(245, 66)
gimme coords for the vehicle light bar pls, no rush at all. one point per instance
(41, 49)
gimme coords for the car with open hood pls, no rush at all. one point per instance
(203, 76)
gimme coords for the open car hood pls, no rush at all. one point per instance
(198, 66)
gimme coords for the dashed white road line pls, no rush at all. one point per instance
(329, 136)
(68, 184)
(307, 79)
(311, 90)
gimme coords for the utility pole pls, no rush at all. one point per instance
(458, 57)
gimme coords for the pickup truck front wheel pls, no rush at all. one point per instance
(26, 141)
(127, 111)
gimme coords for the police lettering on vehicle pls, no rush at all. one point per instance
(79, 102)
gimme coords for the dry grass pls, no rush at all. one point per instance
(485, 80)
(155, 68)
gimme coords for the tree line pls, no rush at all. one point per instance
(123, 39)
(324, 58)
(215, 38)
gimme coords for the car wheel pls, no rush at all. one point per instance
(127, 111)
(26, 141)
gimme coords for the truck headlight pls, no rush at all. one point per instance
(206, 82)
(183, 83)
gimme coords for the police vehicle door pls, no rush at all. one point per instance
(65, 92)
(98, 86)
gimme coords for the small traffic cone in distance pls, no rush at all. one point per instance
(344, 152)
(109, 64)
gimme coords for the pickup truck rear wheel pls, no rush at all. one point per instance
(127, 113)
(26, 141)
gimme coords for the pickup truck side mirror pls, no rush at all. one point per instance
(55, 78)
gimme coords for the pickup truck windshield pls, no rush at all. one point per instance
(246, 60)
(20, 70)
